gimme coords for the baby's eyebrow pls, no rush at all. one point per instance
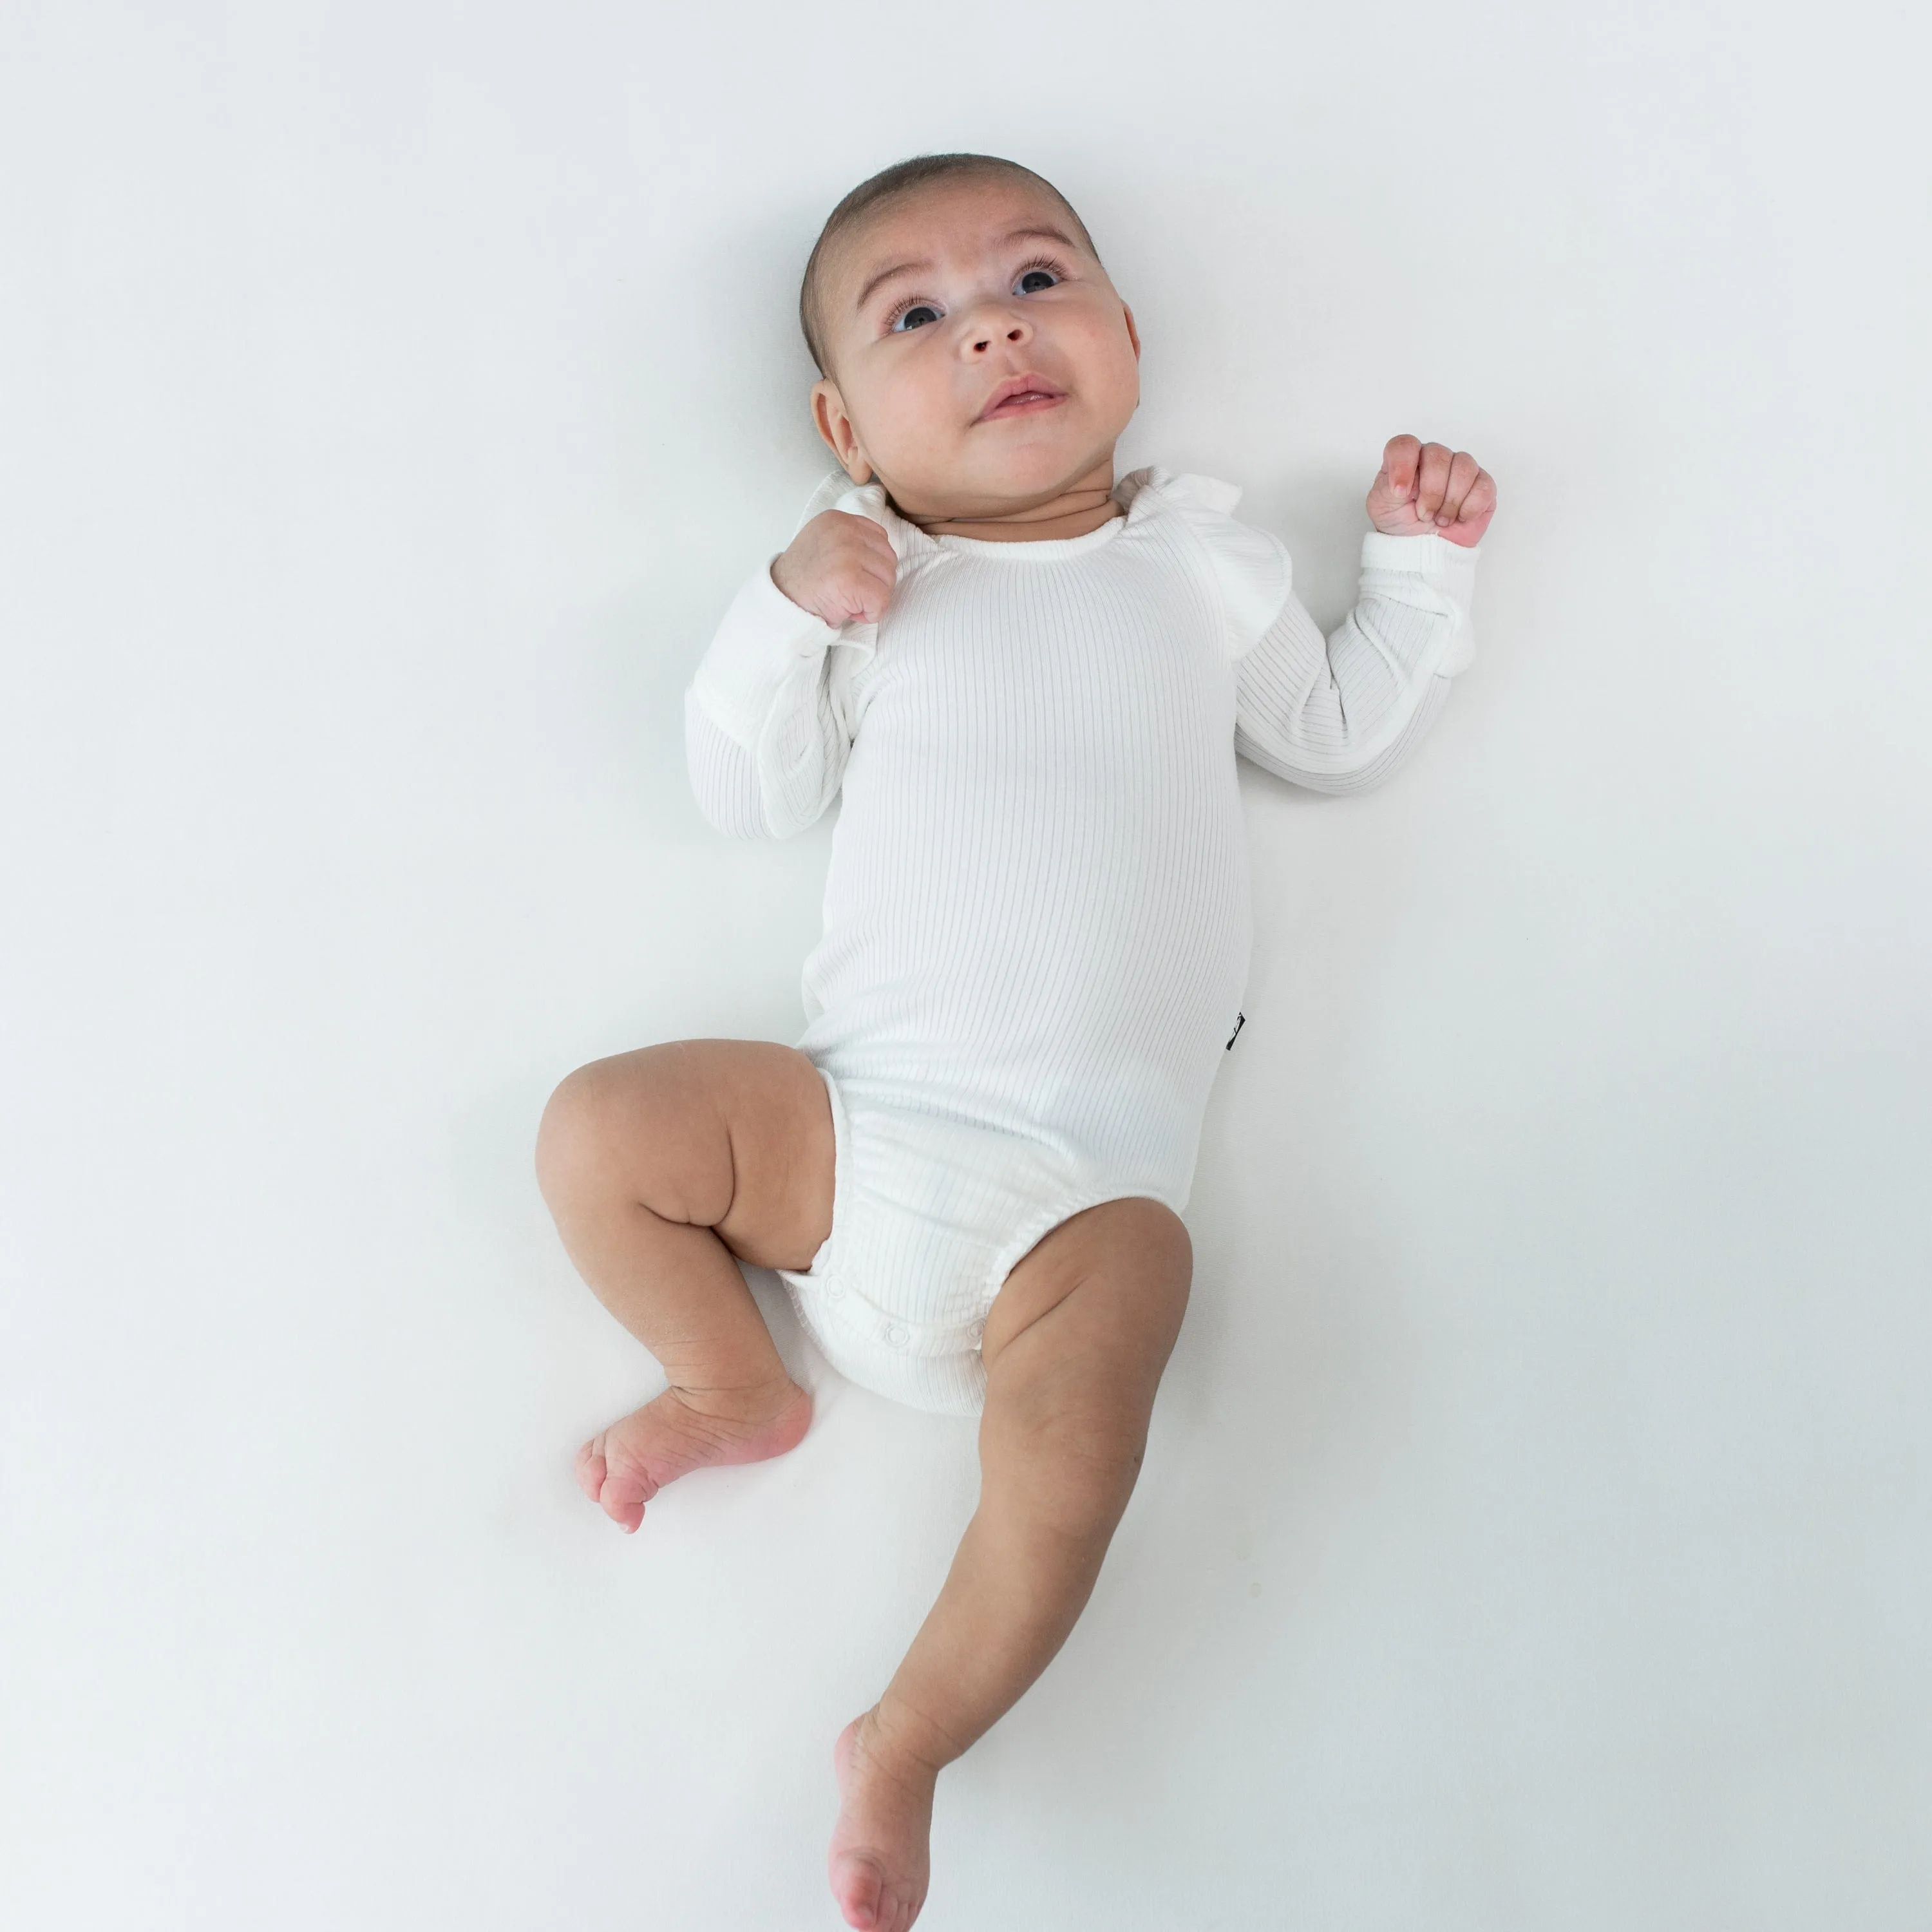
(885, 275)
(1039, 234)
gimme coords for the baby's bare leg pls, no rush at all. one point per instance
(660, 1166)
(1074, 1348)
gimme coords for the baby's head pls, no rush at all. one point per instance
(936, 288)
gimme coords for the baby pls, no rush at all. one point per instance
(1029, 679)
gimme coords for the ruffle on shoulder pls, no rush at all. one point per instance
(1252, 567)
(837, 491)
(1183, 487)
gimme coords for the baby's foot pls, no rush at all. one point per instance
(880, 1856)
(622, 1468)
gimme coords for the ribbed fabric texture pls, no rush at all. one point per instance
(1037, 914)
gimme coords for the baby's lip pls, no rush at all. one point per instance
(1037, 390)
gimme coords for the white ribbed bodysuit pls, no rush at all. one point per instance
(1037, 923)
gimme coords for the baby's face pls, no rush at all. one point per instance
(936, 311)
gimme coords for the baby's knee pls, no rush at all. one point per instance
(592, 1113)
(567, 1132)
(641, 1127)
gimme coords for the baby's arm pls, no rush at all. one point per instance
(765, 730)
(1340, 714)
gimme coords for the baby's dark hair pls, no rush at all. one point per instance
(900, 179)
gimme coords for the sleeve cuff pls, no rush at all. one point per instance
(1436, 557)
(763, 633)
(1449, 569)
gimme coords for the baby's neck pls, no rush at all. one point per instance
(1084, 505)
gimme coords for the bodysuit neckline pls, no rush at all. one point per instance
(1038, 549)
(1130, 492)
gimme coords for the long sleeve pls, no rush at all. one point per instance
(1339, 716)
(765, 736)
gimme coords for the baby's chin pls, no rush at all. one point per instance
(996, 483)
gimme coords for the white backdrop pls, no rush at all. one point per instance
(1535, 1530)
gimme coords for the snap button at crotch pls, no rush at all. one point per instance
(895, 1336)
(834, 1291)
(978, 1331)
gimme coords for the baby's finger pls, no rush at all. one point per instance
(1463, 471)
(1431, 478)
(1399, 459)
(865, 594)
(1479, 505)
(861, 542)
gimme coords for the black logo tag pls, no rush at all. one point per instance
(1240, 1020)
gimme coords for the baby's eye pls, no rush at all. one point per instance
(917, 316)
(1032, 280)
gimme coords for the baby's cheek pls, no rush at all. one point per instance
(918, 430)
(1106, 359)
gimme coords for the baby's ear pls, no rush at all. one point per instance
(835, 428)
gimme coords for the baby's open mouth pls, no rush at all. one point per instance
(1020, 395)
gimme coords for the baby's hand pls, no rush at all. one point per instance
(1425, 489)
(840, 567)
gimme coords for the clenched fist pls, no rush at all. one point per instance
(1425, 489)
(840, 567)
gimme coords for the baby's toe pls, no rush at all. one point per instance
(860, 1887)
(623, 1496)
(619, 1495)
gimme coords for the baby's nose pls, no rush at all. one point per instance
(1016, 332)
